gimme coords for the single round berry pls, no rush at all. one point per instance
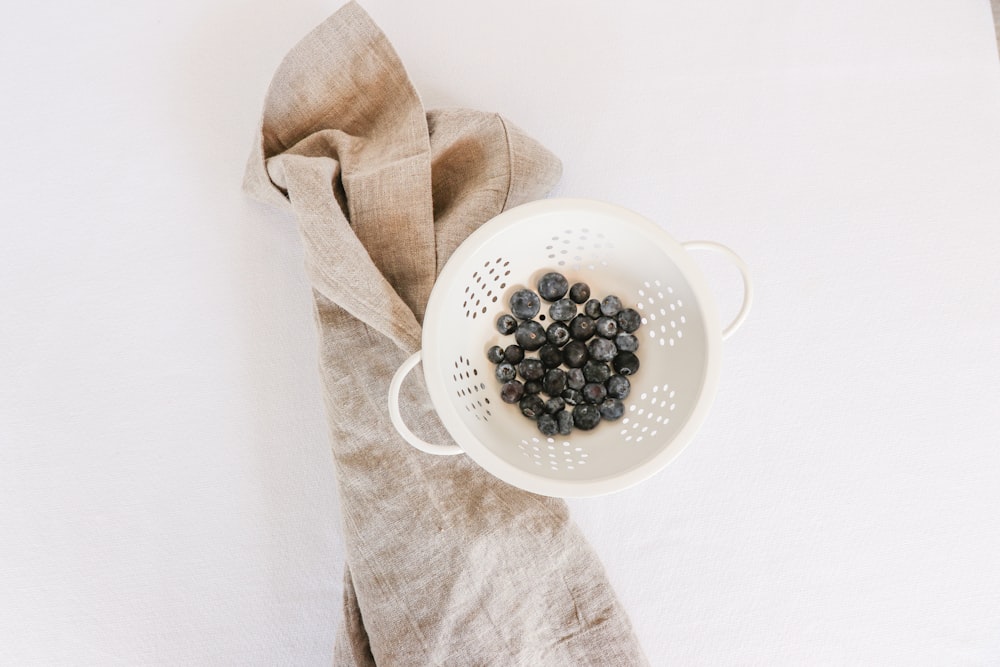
(626, 342)
(554, 405)
(609, 306)
(553, 286)
(586, 416)
(550, 355)
(575, 378)
(532, 406)
(554, 382)
(592, 308)
(581, 328)
(506, 324)
(629, 320)
(530, 335)
(531, 369)
(547, 424)
(495, 354)
(532, 387)
(579, 292)
(557, 334)
(506, 372)
(511, 392)
(575, 354)
(602, 349)
(525, 304)
(514, 354)
(606, 327)
(594, 392)
(572, 396)
(626, 363)
(618, 386)
(611, 409)
(596, 371)
(562, 310)
(565, 421)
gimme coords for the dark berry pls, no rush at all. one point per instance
(495, 354)
(525, 304)
(554, 405)
(511, 392)
(557, 334)
(592, 308)
(606, 327)
(532, 387)
(506, 324)
(629, 320)
(626, 363)
(506, 372)
(626, 342)
(594, 393)
(532, 406)
(618, 386)
(575, 378)
(579, 292)
(612, 409)
(596, 371)
(572, 396)
(547, 424)
(531, 369)
(575, 354)
(586, 416)
(609, 306)
(602, 349)
(550, 355)
(582, 327)
(552, 286)
(565, 421)
(562, 310)
(514, 354)
(554, 382)
(530, 335)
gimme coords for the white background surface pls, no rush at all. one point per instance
(166, 492)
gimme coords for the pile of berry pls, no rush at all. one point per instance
(578, 374)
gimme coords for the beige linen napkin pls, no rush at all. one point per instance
(446, 565)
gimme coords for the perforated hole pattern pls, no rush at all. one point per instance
(485, 287)
(470, 389)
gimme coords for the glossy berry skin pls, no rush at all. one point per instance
(575, 354)
(618, 386)
(626, 363)
(554, 382)
(579, 292)
(611, 409)
(547, 424)
(531, 369)
(572, 396)
(562, 310)
(495, 354)
(511, 392)
(629, 320)
(553, 286)
(594, 393)
(506, 372)
(586, 416)
(564, 420)
(610, 306)
(602, 349)
(532, 406)
(524, 304)
(596, 371)
(550, 355)
(575, 378)
(581, 328)
(506, 324)
(557, 334)
(606, 327)
(626, 342)
(514, 354)
(592, 308)
(530, 335)
(554, 405)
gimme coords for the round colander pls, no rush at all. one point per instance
(615, 251)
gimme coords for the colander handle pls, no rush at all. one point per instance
(397, 417)
(744, 270)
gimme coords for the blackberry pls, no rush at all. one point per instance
(618, 386)
(562, 310)
(626, 342)
(532, 406)
(511, 392)
(610, 306)
(550, 355)
(514, 354)
(586, 416)
(592, 308)
(495, 354)
(506, 324)
(602, 349)
(557, 334)
(524, 304)
(506, 372)
(626, 363)
(554, 382)
(582, 327)
(579, 292)
(629, 320)
(575, 354)
(611, 410)
(594, 393)
(552, 286)
(530, 369)
(575, 378)
(530, 335)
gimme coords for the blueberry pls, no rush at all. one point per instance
(532, 387)
(575, 378)
(506, 372)
(602, 349)
(565, 421)
(511, 392)
(606, 327)
(495, 354)
(554, 405)
(594, 392)
(547, 424)
(506, 324)
(581, 328)
(596, 371)
(618, 386)
(530, 369)
(552, 286)
(612, 409)
(579, 292)
(550, 355)
(626, 342)
(557, 334)
(575, 354)
(629, 320)
(530, 335)
(609, 306)
(562, 310)
(572, 396)
(525, 304)
(586, 416)
(592, 308)
(554, 382)
(626, 363)
(514, 354)
(532, 406)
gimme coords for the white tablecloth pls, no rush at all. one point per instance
(166, 491)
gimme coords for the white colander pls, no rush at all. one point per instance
(615, 251)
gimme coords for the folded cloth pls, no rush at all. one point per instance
(445, 564)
